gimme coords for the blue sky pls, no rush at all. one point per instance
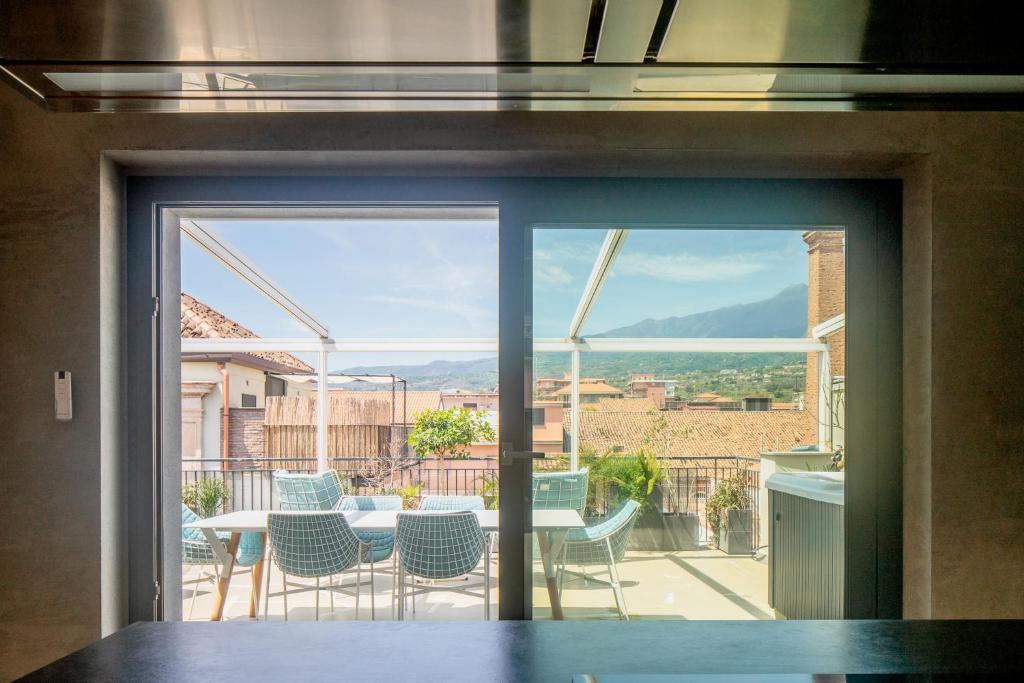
(439, 278)
(660, 273)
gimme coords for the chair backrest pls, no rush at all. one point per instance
(187, 517)
(439, 545)
(317, 544)
(452, 503)
(307, 491)
(370, 503)
(561, 490)
(590, 545)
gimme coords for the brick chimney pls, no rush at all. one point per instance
(826, 298)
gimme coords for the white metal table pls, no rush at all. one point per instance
(551, 527)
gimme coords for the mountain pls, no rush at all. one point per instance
(783, 315)
(480, 374)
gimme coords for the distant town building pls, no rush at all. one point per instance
(645, 385)
(590, 392)
(547, 387)
(712, 401)
(223, 394)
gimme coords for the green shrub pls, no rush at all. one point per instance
(730, 494)
(624, 477)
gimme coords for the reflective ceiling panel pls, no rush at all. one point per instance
(928, 33)
(773, 31)
(528, 55)
(295, 31)
(626, 30)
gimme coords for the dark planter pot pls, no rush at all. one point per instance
(656, 529)
(737, 537)
(682, 531)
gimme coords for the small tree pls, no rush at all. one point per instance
(448, 433)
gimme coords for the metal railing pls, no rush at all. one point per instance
(249, 481)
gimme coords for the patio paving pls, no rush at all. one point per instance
(702, 584)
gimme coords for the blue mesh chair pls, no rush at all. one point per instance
(381, 542)
(443, 545)
(307, 491)
(561, 490)
(316, 545)
(196, 550)
(603, 543)
(456, 503)
(452, 503)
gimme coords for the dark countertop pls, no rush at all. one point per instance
(536, 651)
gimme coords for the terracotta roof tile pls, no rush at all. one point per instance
(697, 432)
(625, 405)
(590, 388)
(199, 321)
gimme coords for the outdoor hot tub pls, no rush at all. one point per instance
(805, 538)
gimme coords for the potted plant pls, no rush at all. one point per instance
(730, 516)
(449, 432)
(682, 526)
(205, 497)
(638, 477)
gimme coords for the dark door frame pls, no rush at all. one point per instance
(868, 210)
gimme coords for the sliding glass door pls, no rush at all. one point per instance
(590, 377)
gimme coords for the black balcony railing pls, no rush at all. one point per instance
(249, 481)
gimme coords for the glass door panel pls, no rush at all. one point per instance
(675, 371)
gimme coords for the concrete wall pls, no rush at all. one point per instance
(61, 266)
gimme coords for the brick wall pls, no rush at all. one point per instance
(246, 432)
(826, 298)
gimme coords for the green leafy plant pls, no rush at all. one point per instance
(449, 432)
(730, 494)
(410, 496)
(625, 477)
(489, 490)
(205, 497)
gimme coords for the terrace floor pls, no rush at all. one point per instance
(701, 584)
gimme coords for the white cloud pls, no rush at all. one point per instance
(685, 267)
(552, 274)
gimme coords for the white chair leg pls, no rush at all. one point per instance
(284, 591)
(317, 598)
(394, 580)
(613, 574)
(266, 593)
(400, 579)
(373, 607)
(487, 583)
(195, 592)
(359, 583)
(330, 583)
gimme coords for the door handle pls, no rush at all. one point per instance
(509, 456)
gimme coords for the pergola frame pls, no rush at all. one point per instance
(613, 243)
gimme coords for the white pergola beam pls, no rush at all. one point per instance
(674, 345)
(248, 345)
(829, 327)
(613, 242)
(231, 258)
(322, 402)
(596, 345)
(574, 414)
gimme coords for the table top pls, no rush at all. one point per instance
(524, 651)
(381, 520)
